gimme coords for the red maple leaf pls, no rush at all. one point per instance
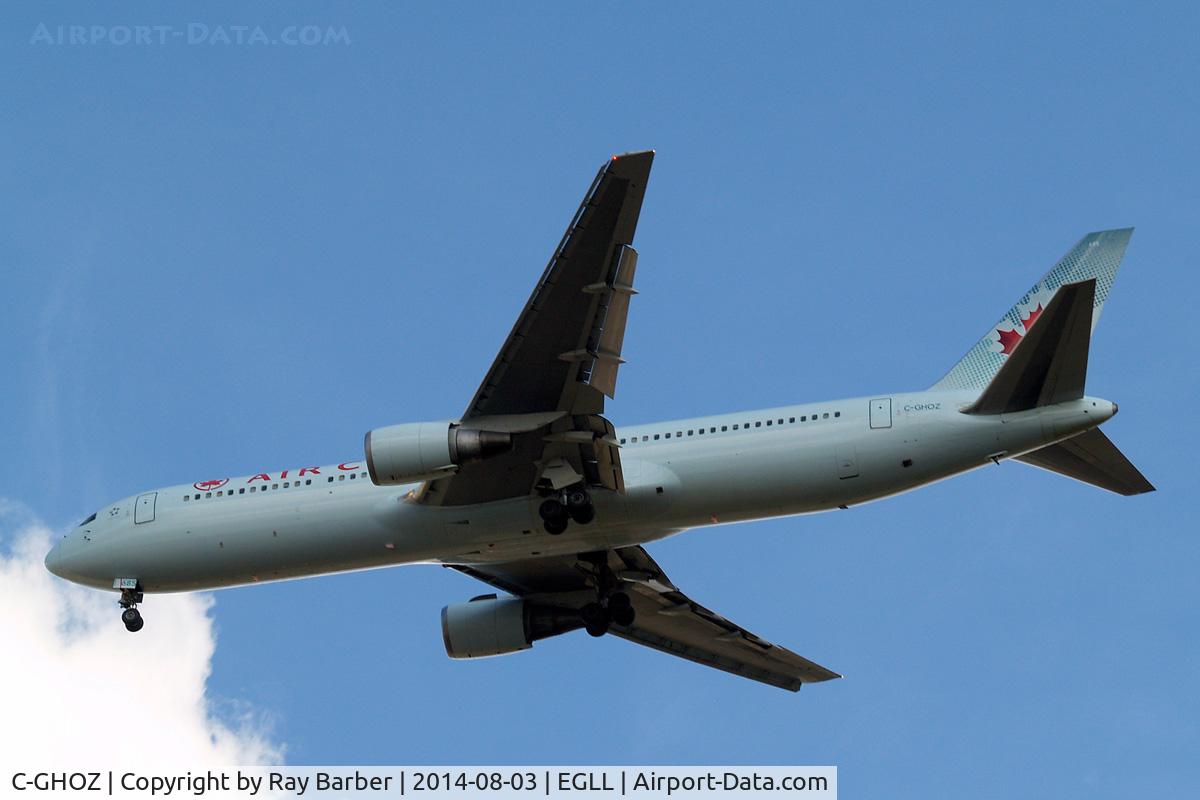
(1033, 315)
(1008, 340)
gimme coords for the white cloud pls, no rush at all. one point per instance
(76, 688)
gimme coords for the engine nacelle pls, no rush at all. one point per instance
(488, 626)
(420, 451)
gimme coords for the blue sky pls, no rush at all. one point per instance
(225, 258)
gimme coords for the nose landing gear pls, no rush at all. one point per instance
(572, 504)
(131, 616)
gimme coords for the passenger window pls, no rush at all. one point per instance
(668, 434)
(241, 491)
(701, 431)
(308, 482)
(724, 428)
(791, 420)
(274, 485)
(341, 477)
(207, 495)
(758, 424)
(735, 427)
(197, 497)
(622, 441)
(186, 497)
(768, 422)
(837, 413)
(253, 489)
(352, 476)
(690, 432)
(712, 430)
(645, 438)
(656, 437)
(678, 434)
(330, 479)
(826, 415)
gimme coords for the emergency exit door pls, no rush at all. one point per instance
(143, 508)
(881, 413)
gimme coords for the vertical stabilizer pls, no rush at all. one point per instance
(1096, 256)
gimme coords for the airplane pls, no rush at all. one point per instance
(533, 490)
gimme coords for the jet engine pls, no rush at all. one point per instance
(420, 451)
(488, 626)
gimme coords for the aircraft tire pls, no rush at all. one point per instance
(552, 511)
(582, 514)
(595, 619)
(132, 619)
(578, 498)
(620, 609)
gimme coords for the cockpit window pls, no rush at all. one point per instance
(92, 518)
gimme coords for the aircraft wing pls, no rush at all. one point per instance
(666, 619)
(548, 382)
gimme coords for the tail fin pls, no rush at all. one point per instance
(1096, 256)
(1092, 458)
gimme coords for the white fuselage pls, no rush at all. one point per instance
(678, 474)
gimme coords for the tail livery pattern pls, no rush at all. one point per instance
(1097, 255)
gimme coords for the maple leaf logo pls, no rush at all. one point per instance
(1010, 339)
(1033, 315)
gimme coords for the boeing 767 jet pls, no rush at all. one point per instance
(532, 490)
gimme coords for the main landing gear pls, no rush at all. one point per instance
(131, 616)
(570, 504)
(612, 606)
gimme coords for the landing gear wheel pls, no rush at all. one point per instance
(582, 514)
(555, 527)
(132, 619)
(579, 506)
(595, 619)
(552, 510)
(620, 609)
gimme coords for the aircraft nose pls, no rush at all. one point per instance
(54, 560)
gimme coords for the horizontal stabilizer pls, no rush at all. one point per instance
(1049, 364)
(1092, 458)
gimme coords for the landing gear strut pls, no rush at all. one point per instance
(612, 606)
(572, 504)
(131, 616)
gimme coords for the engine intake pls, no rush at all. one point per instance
(488, 626)
(420, 451)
